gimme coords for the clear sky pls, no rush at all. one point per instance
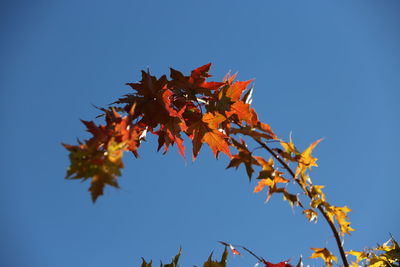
(325, 69)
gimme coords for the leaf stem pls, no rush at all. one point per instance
(308, 193)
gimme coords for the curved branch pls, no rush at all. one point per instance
(308, 193)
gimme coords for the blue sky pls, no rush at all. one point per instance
(325, 69)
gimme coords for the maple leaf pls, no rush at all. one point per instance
(222, 263)
(289, 152)
(174, 262)
(195, 83)
(196, 132)
(115, 151)
(100, 157)
(263, 183)
(217, 142)
(100, 133)
(340, 214)
(306, 160)
(290, 147)
(389, 257)
(389, 245)
(128, 135)
(316, 192)
(170, 133)
(318, 198)
(145, 264)
(213, 119)
(291, 199)
(274, 189)
(149, 86)
(244, 156)
(243, 113)
(360, 255)
(232, 92)
(90, 162)
(200, 133)
(324, 254)
(228, 94)
(268, 175)
(235, 90)
(267, 168)
(152, 100)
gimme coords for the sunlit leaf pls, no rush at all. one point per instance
(243, 157)
(306, 160)
(324, 254)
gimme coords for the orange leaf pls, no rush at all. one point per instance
(242, 111)
(213, 119)
(217, 142)
(200, 133)
(263, 183)
(244, 156)
(234, 91)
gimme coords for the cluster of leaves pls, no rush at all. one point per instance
(174, 262)
(386, 255)
(209, 263)
(206, 112)
(223, 262)
(218, 114)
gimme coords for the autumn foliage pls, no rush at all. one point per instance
(217, 114)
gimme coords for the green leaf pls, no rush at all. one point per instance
(222, 263)
(145, 264)
(175, 260)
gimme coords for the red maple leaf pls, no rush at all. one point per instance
(200, 133)
(196, 82)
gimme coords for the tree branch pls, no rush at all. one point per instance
(308, 193)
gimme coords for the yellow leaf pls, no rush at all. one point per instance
(317, 192)
(324, 254)
(316, 202)
(289, 147)
(388, 245)
(360, 255)
(377, 262)
(306, 159)
(115, 150)
(341, 217)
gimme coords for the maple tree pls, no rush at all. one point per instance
(218, 114)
